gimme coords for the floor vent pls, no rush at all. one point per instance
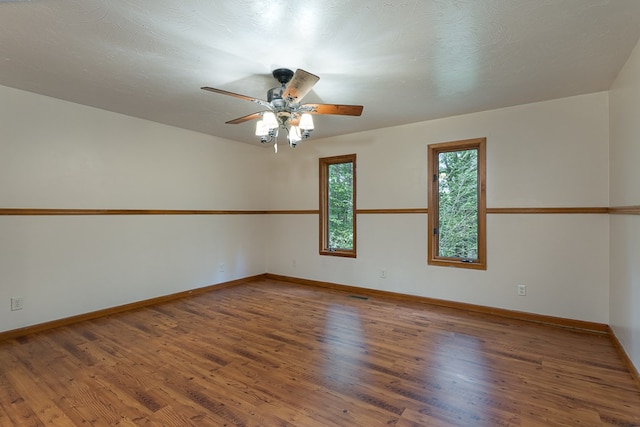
(358, 297)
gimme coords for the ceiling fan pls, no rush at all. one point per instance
(284, 109)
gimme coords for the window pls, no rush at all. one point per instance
(457, 207)
(338, 206)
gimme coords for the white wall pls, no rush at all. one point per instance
(548, 154)
(625, 191)
(61, 155)
(55, 154)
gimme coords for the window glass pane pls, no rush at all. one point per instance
(340, 205)
(458, 204)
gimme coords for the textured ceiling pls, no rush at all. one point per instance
(405, 61)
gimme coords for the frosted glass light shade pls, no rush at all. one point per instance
(294, 134)
(306, 122)
(270, 120)
(261, 128)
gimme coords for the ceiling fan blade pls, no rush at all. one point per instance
(237, 95)
(245, 118)
(337, 109)
(300, 84)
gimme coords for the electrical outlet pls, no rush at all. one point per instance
(17, 303)
(522, 290)
(293, 263)
(221, 267)
(383, 274)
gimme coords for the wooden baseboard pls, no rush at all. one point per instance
(511, 314)
(591, 327)
(40, 327)
(625, 357)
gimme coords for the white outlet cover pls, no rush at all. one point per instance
(17, 303)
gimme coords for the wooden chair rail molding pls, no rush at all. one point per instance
(556, 210)
(31, 211)
(619, 210)
(573, 210)
(625, 210)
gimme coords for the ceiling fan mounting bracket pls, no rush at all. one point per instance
(283, 75)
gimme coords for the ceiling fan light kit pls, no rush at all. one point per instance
(283, 108)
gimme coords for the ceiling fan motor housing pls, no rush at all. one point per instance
(282, 75)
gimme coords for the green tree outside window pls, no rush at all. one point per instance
(458, 204)
(341, 206)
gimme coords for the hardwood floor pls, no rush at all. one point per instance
(274, 354)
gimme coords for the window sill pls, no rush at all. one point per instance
(339, 253)
(458, 264)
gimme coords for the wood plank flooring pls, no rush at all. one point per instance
(268, 353)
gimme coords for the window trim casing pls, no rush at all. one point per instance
(432, 167)
(323, 164)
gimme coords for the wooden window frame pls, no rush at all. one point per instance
(324, 205)
(433, 218)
